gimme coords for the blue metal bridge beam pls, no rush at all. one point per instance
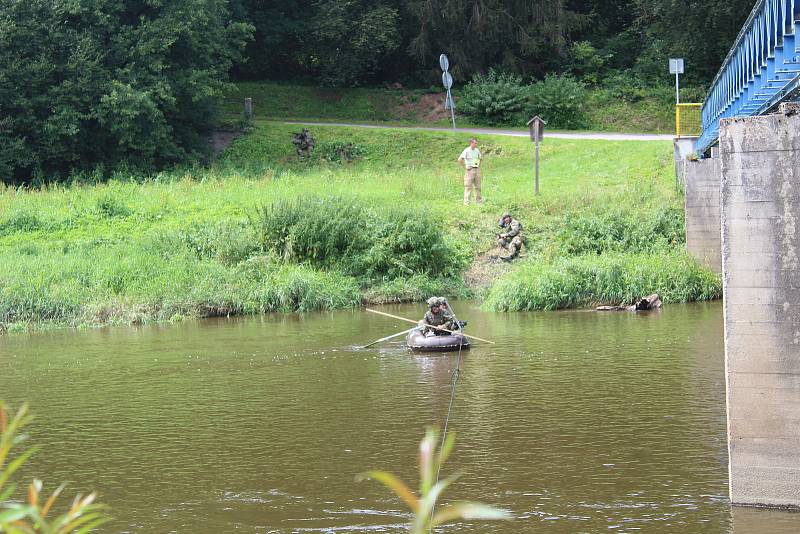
(761, 70)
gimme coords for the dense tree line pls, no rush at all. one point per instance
(88, 84)
(98, 84)
(358, 42)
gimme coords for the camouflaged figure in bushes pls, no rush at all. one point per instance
(511, 239)
(304, 143)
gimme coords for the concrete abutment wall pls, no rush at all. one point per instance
(760, 215)
(703, 236)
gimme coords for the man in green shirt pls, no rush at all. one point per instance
(471, 159)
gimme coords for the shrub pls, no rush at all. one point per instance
(626, 87)
(559, 100)
(322, 231)
(20, 221)
(110, 206)
(339, 152)
(585, 62)
(98, 83)
(348, 235)
(407, 243)
(494, 98)
(618, 232)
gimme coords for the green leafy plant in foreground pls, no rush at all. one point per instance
(431, 459)
(32, 517)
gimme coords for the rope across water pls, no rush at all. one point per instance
(454, 379)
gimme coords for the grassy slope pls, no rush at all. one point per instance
(285, 101)
(181, 244)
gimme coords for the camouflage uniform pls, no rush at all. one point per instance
(442, 303)
(443, 318)
(511, 240)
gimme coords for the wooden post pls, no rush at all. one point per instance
(536, 126)
(248, 108)
(536, 180)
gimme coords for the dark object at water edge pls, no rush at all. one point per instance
(420, 343)
(650, 302)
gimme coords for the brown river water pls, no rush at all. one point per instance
(575, 421)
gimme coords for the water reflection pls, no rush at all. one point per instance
(575, 421)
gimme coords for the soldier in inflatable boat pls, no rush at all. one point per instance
(439, 314)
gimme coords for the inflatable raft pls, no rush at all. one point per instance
(419, 343)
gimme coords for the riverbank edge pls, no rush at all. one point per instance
(110, 204)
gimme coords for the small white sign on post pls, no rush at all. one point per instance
(448, 103)
(676, 68)
(447, 81)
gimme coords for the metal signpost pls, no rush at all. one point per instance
(676, 68)
(536, 126)
(447, 81)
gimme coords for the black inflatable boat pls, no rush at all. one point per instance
(419, 343)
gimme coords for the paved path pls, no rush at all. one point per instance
(492, 131)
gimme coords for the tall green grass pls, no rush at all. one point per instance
(161, 275)
(649, 230)
(612, 278)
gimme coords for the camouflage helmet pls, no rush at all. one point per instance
(501, 223)
(433, 301)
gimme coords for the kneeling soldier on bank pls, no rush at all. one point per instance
(511, 239)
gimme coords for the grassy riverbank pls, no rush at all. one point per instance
(262, 231)
(605, 110)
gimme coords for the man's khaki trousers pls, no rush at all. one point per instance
(472, 180)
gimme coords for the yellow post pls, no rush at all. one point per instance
(678, 121)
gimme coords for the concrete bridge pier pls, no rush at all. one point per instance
(760, 215)
(702, 208)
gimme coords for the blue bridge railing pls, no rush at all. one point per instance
(761, 70)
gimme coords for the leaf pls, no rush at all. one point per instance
(52, 499)
(94, 524)
(469, 510)
(7, 493)
(447, 447)
(394, 484)
(428, 501)
(83, 520)
(427, 469)
(16, 464)
(15, 514)
(33, 492)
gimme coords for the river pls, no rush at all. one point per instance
(575, 421)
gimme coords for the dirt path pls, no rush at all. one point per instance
(494, 131)
(485, 269)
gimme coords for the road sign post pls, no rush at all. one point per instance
(536, 126)
(447, 81)
(676, 68)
